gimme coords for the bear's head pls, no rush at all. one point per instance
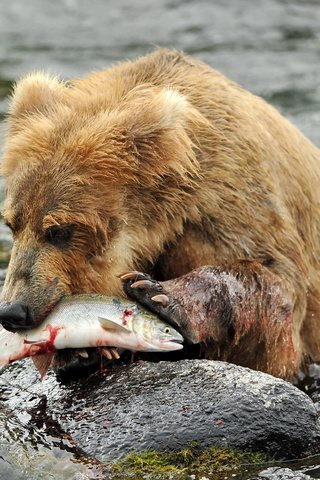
(98, 180)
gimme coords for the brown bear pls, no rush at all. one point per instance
(163, 165)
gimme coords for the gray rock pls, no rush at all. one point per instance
(161, 406)
(277, 473)
(166, 405)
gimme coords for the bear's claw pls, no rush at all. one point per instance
(142, 284)
(110, 353)
(163, 299)
(133, 275)
(143, 288)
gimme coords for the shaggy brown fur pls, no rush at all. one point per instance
(161, 161)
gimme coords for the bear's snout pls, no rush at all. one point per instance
(16, 316)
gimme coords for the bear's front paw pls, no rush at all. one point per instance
(141, 287)
(153, 295)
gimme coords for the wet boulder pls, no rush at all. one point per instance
(160, 406)
(164, 405)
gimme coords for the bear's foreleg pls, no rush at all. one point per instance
(238, 313)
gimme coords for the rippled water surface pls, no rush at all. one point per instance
(270, 47)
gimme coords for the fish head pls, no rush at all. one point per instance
(161, 336)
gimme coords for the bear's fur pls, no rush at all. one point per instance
(163, 165)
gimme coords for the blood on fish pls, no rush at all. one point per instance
(127, 313)
(30, 349)
(53, 331)
(48, 345)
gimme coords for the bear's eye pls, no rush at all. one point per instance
(60, 236)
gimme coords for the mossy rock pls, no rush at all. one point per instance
(179, 465)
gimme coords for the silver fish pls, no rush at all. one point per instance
(81, 321)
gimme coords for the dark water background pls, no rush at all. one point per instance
(271, 47)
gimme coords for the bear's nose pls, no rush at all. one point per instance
(16, 316)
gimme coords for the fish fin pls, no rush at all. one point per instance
(42, 362)
(34, 342)
(111, 325)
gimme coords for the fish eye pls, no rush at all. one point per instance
(167, 330)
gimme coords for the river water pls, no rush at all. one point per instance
(271, 47)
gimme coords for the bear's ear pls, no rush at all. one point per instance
(35, 93)
(154, 109)
(161, 124)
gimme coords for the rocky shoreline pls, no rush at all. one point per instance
(184, 406)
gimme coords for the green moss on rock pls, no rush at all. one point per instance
(179, 465)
